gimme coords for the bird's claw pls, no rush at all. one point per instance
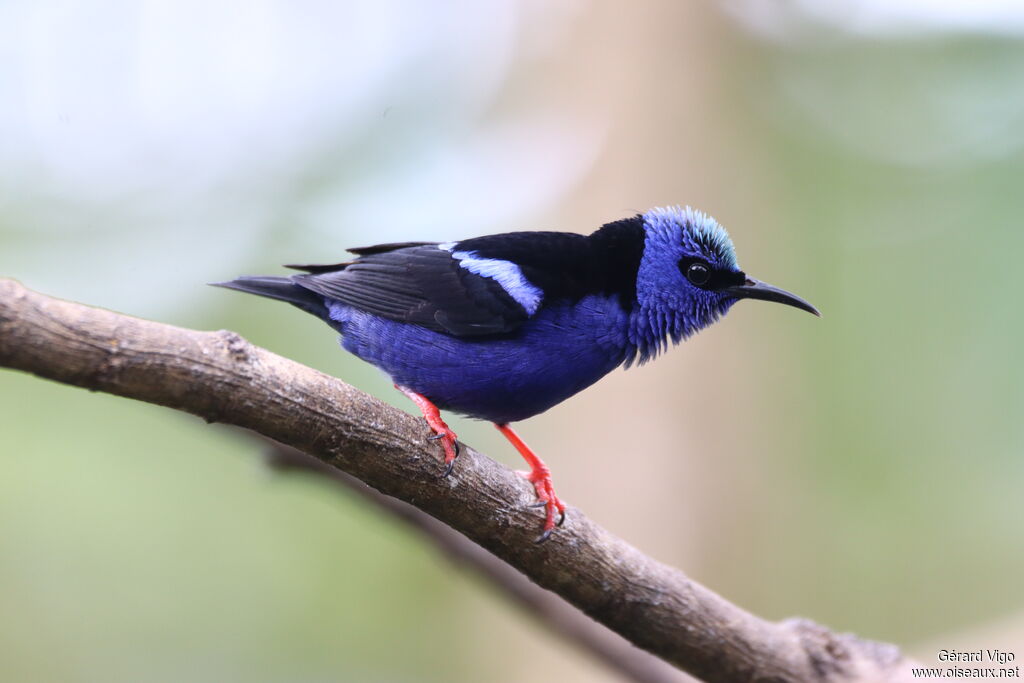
(540, 476)
(449, 441)
(451, 450)
(547, 499)
(548, 531)
(450, 444)
(450, 464)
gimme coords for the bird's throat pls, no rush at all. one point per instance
(653, 327)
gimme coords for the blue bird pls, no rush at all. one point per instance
(503, 327)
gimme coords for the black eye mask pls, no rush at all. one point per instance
(701, 274)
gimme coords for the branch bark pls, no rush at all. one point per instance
(562, 618)
(223, 378)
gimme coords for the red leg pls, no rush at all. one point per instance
(432, 415)
(540, 476)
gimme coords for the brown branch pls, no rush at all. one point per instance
(563, 619)
(221, 377)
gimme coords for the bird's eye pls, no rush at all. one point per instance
(698, 273)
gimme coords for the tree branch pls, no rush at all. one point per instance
(566, 621)
(223, 378)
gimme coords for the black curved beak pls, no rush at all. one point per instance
(755, 289)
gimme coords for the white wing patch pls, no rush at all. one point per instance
(505, 273)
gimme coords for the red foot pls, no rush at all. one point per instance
(540, 476)
(449, 441)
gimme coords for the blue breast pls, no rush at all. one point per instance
(558, 352)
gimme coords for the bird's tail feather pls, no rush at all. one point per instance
(280, 288)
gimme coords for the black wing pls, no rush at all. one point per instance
(420, 284)
(425, 284)
(569, 266)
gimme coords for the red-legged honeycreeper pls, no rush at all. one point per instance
(503, 327)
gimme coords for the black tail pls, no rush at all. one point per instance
(280, 288)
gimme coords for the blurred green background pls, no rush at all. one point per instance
(863, 470)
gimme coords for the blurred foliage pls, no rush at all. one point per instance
(895, 164)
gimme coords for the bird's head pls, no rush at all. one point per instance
(689, 272)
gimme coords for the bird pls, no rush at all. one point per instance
(505, 326)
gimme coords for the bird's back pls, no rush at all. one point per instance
(500, 327)
(485, 285)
